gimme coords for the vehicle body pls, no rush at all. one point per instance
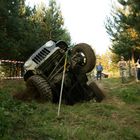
(44, 70)
(105, 75)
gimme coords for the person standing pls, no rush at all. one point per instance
(138, 69)
(99, 69)
(122, 67)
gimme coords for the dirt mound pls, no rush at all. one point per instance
(94, 91)
(27, 95)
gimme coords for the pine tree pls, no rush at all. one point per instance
(123, 28)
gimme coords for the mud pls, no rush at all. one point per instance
(27, 95)
(30, 94)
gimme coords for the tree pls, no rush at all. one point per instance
(24, 29)
(55, 23)
(14, 30)
(7, 10)
(124, 29)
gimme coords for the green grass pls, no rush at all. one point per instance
(116, 118)
(128, 92)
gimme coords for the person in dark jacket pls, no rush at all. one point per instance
(99, 69)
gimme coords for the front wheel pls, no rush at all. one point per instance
(38, 83)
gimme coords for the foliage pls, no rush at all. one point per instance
(117, 117)
(123, 28)
(24, 29)
(108, 60)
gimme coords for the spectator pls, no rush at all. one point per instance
(99, 69)
(138, 69)
(122, 67)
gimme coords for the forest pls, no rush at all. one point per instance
(24, 29)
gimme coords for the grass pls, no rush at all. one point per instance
(116, 118)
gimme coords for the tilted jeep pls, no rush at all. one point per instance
(44, 70)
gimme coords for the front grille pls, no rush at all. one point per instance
(48, 65)
(41, 55)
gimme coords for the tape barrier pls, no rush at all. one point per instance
(2, 74)
(11, 78)
(11, 61)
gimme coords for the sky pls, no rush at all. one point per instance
(85, 20)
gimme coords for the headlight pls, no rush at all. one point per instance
(49, 43)
(28, 64)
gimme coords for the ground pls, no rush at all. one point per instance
(115, 118)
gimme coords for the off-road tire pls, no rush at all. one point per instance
(38, 83)
(97, 91)
(89, 54)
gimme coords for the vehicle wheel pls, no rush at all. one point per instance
(88, 54)
(97, 91)
(40, 84)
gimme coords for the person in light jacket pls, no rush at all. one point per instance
(122, 67)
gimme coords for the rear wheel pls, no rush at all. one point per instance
(38, 83)
(89, 59)
(97, 91)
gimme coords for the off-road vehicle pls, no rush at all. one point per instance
(45, 68)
